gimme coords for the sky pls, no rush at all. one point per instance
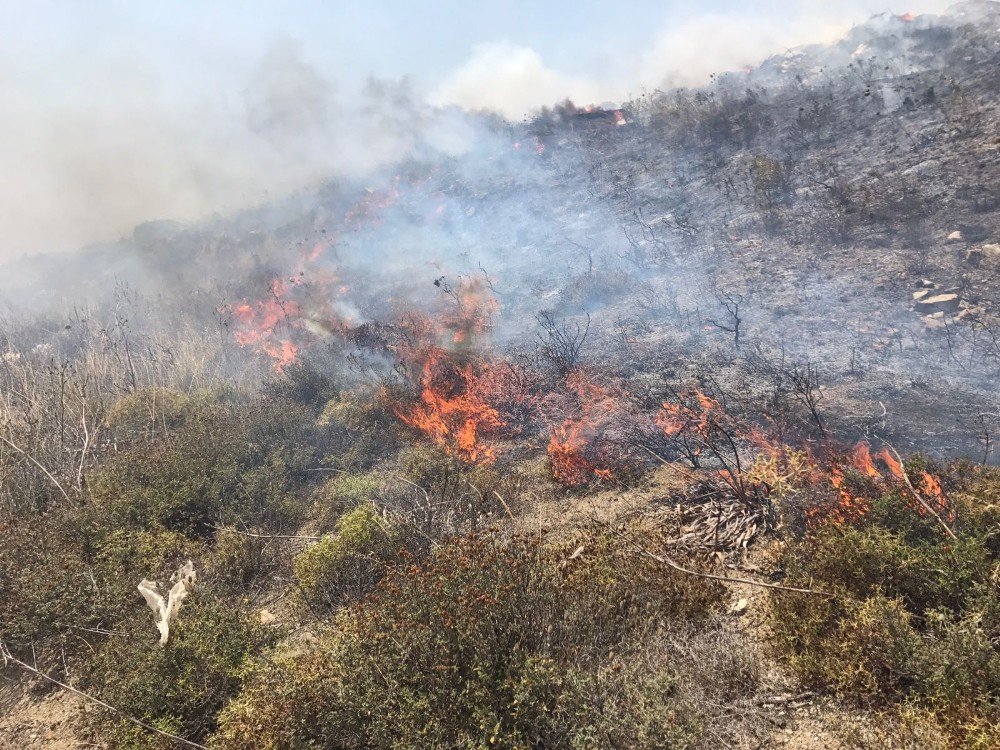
(117, 112)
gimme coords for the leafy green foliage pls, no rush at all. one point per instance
(345, 565)
(227, 459)
(181, 687)
(342, 493)
(359, 428)
(75, 574)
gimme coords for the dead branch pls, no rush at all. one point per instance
(726, 579)
(920, 499)
(254, 535)
(36, 463)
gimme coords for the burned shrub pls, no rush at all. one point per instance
(561, 342)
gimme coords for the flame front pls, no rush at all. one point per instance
(452, 412)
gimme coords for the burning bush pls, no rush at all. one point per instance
(452, 411)
(588, 422)
(914, 611)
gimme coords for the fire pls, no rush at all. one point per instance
(472, 314)
(851, 507)
(928, 485)
(689, 421)
(577, 453)
(452, 412)
(264, 325)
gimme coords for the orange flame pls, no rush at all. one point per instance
(260, 324)
(452, 412)
(852, 508)
(576, 453)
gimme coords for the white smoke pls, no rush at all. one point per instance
(93, 146)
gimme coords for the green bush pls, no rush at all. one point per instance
(359, 429)
(345, 565)
(240, 561)
(914, 616)
(72, 574)
(340, 494)
(487, 644)
(179, 688)
(303, 383)
(227, 460)
(144, 414)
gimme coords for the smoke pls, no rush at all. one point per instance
(89, 168)
(513, 81)
(97, 141)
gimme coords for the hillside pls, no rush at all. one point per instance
(665, 426)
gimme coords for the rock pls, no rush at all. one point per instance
(947, 303)
(955, 236)
(934, 323)
(991, 251)
(267, 617)
(740, 607)
(927, 284)
(921, 294)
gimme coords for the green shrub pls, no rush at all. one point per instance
(487, 644)
(181, 687)
(345, 565)
(303, 383)
(73, 574)
(340, 494)
(144, 414)
(227, 460)
(915, 615)
(240, 561)
(359, 429)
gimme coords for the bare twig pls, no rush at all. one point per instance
(36, 463)
(920, 499)
(726, 579)
(264, 536)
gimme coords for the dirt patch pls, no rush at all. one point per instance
(37, 719)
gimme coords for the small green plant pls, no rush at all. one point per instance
(345, 565)
(342, 493)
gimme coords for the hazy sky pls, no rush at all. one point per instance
(116, 112)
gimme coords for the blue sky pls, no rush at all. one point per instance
(116, 112)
